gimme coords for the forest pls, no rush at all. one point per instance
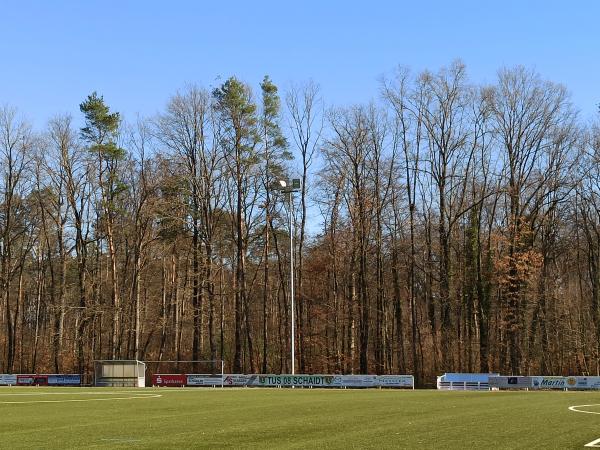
(444, 226)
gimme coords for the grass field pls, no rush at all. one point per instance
(299, 418)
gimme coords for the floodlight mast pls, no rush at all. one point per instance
(284, 188)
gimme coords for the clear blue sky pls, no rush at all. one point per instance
(137, 53)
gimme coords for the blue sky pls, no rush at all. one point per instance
(138, 53)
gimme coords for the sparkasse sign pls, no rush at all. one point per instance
(169, 380)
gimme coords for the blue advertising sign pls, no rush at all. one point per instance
(64, 380)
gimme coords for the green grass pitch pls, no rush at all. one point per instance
(293, 418)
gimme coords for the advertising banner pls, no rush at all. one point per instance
(235, 380)
(64, 380)
(291, 380)
(580, 382)
(544, 382)
(406, 381)
(32, 380)
(8, 380)
(510, 382)
(204, 380)
(315, 381)
(285, 380)
(587, 383)
(355, 381)
(175, 380)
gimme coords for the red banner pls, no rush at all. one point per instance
(169, 380)
(32, 380)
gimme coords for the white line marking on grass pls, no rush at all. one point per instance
(73, 392)
(575, 409)
(121, 440)
(31, 393)
(595, 443)
(137, 397)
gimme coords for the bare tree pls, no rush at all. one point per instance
(306, 123)
(16, 142)
(527, 114)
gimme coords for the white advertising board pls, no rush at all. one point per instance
(304, 380)
(545, 382)
(407, 381)
(8, 380)
(584, 383)
(235, 380)
(577, 382)
(355, 381)
(204, 380)
(549, 382)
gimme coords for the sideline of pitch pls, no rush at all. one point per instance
(138, 395)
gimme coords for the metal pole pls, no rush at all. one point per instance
(292, 285)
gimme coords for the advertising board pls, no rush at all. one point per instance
(406, 381)
(545, 382)
(285, 380)
(581, 382)
(32, 380)
(174, 380)
(8, 380)
(549, 382)
(355, 381)
(318, 380)
(291, 380)
(586, 383)
(577, 382)
(235, 380)
(510, 382)
(64, 380)
(204, 380)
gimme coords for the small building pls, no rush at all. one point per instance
(119, 373)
